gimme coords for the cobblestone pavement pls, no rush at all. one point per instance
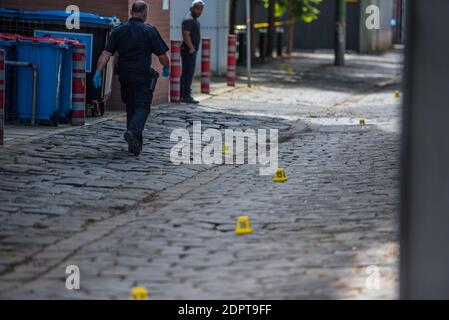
(77, 198)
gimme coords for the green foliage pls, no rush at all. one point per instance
(279, 10)
(305, 10)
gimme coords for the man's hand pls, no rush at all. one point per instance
(165, 72)
(97, 79)
(163, 59)
(102, 62)
(188, 41)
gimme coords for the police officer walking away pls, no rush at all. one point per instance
(191, 35)
(135, 42)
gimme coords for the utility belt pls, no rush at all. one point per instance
(129, 76)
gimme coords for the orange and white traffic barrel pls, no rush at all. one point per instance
(232, 59)
(205, 65)
(175, 71)
(78, 113)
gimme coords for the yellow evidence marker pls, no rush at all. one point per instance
(226, 149)
(243, 226)
(280, 175)
(362, 121)
(139, 293)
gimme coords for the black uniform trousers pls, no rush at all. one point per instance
(188, 71)
(137, 96)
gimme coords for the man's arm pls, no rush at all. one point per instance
(101, 63)
(188, 41)
(103, 60)
(164, 60)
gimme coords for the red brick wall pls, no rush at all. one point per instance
(161, 20)
(120, 8)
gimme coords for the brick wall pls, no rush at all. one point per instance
(161, 20)
(120, 8)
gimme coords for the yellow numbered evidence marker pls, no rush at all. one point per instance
(362, 121)
(280, 175)
(243, 226)
(226, 149)
(139, 293)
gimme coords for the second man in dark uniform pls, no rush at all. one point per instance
(191, 34)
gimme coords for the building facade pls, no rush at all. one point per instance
(320, 34)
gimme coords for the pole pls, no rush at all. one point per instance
(248, 41)
(271, 29)
(340, 33)
(424, 218)
(2, 94)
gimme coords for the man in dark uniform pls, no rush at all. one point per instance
(135, 42)
(191, 35)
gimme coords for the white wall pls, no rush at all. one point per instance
(214, 24)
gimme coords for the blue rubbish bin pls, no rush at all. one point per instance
(65, 100)
(94, 31)
(65, 97)
(9, 47)
(47, 56)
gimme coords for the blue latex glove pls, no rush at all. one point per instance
(97, 79)
(165, 72)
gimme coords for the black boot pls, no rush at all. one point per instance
(190, 100)
(140, 138)
(133, 143)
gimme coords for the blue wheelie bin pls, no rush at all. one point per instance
(10, 55)
(93, 33)
(7, 45)
(65, 96)
(65, 99)
(47, 56)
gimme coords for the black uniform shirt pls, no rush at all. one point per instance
(192, 25)
(135, 42)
